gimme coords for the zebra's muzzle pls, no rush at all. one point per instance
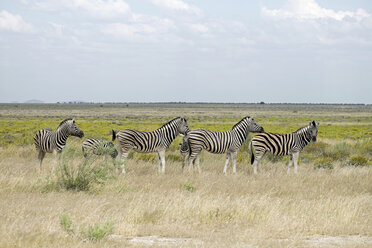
(80, 134)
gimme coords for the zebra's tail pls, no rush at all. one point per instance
(113, 135)
(251, 152)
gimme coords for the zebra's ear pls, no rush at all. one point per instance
(317, 125)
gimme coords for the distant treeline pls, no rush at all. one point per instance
(235, 103)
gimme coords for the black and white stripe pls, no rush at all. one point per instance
(146, 142)
(282, 144)
(98, 147)
(227, 142)
(53, 141)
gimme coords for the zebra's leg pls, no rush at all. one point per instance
(55, 160)
(233, 157)
(290, 164)
(197, 161)
(123, 156)
(295, 159)
(159, 163)
(41, 157)
(184, 159)
(161, 155)
(228, 155)
(191, 161)
(256, 163)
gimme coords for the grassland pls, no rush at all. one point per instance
(326, 207)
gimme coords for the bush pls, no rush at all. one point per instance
(189, 187)
(339, 151)
(364, 146)
(94, 232)
(323, 163)
(358, 160)
(66, 224)
(82, 177)
(98, 231)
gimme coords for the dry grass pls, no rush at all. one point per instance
(271, 209)
(316, 208)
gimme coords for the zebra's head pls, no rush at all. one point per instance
(313, 130)
(71, 128)
(250, 125)
(114, 152)
(183, 128)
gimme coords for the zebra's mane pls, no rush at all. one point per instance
(64, 121)
(171, 121)
(302, 129)
(237, 124)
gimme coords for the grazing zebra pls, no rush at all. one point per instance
(54, 141)
(146, 142)
(282, 144)
(184, 150)
(98, 147)
(227, 142)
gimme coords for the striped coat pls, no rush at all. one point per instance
(47, 141)
(282, 144)
(147, 142)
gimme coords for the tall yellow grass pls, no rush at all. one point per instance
(272, 209)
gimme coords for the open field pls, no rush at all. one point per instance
(326, 207)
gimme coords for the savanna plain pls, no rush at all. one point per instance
(89, 204)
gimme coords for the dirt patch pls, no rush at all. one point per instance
(156, 240)
(338, 241)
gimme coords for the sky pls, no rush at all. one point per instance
(275, 51)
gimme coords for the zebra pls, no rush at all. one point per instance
(184, 150)
(282, 144)
(98, 147)
(227, 142)
(53, 141)
(146, 142)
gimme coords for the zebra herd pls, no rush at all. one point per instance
(194, 141)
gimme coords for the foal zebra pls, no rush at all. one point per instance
(227, 142)
(98, 147)
(54, 141)
(282, 144)
(145, 142)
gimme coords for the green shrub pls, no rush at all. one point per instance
(358, 160)
(80, 177)
(66, 224)
(189, 187)
(323, 163)
(364, 146)
(339, 151)
(98, 231)
(93, 232)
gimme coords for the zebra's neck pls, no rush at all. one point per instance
(62, 135)
(169, 131)
(303, 137)
(241, 132)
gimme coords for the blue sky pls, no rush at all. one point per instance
(195, 51)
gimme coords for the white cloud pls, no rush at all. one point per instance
(310, 9)
(14, 23)
(177, 5)
(104, 9)
(200, 28)
(139, 26)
